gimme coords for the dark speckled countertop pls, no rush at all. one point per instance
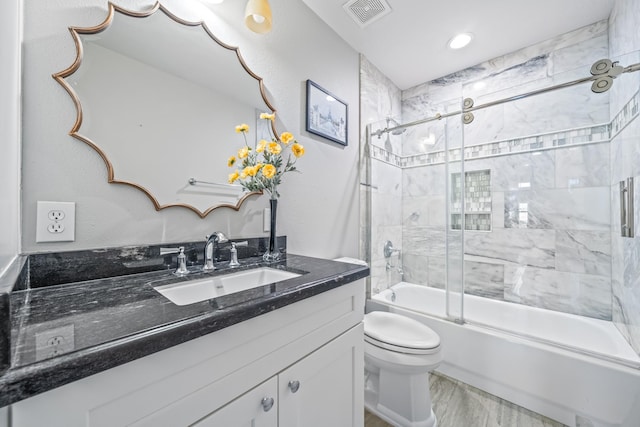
(115, 320)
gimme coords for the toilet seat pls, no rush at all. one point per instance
(400, 349)
(400, 334)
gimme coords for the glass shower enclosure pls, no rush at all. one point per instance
(514, 189)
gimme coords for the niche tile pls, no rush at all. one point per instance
(477, 200)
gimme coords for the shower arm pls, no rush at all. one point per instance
(629, 69)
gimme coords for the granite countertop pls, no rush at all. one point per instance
(115, 320)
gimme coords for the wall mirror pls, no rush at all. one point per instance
(159, 98)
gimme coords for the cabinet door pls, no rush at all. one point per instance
(256, 408)
(326, 387)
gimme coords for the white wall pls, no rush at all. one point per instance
(318, 209)
(9, 131)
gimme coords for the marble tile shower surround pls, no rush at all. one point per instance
(570, 272)
(581, 256)
(383, 99)
(562, 248)
(527, 144)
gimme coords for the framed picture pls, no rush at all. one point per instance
(326, 114)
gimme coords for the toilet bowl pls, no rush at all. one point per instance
(399, 354)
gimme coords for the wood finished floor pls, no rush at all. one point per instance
(457, 404)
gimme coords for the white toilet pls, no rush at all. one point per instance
(399, 353)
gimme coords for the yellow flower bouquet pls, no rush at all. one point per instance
(263, 165)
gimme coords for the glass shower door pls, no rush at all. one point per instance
(456, 217)
(546, 257)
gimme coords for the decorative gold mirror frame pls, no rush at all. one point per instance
(74, 132)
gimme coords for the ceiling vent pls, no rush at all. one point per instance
(364, 12)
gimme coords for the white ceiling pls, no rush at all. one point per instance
(409, 45)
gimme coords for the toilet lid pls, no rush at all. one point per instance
(399, 331)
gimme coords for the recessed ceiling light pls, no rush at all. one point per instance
(479, 85)
(460, 41)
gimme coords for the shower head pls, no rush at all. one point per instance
(398, 131)
(394, 129)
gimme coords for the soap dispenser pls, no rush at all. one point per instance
(234, 256)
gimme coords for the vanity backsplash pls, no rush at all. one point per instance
(48, 269)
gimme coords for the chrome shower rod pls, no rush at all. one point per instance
(593, 78)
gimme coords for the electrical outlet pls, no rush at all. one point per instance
(54, 342)
(55, 227)
(55, 215)
(55, 222)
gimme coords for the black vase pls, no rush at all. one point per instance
(272, 253)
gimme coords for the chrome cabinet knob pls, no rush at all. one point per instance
(294, 386)
(267, 403)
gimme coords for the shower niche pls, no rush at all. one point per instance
(477, 200)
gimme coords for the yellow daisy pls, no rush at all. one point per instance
(297, 150)
(268, 171)
(242, 128)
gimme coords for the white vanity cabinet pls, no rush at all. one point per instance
(319, 390)
(228, 378)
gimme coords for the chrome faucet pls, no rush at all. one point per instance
(211, 248)
(388, 250)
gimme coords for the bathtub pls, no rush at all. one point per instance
(576, 370)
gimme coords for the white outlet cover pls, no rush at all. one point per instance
(54, 342)
(43, 221)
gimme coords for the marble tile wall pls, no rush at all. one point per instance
(624, 45)
(381, 176)
(563, 58)
(549, 244)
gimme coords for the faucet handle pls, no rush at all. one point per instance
(234, 256)
(181, 269)
(166, 251)
(388, 249)
(182, 263)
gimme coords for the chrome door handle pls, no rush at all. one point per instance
(627, 210)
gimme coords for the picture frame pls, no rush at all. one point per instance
(326, 114)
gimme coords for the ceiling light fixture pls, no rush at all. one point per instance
(460, 41)
(257, 16)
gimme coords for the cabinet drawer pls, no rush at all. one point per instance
(256, 408)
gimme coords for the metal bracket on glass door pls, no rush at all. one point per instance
(626, 208)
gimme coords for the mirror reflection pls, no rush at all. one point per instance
(159, 98)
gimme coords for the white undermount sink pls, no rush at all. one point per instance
(184, 293)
